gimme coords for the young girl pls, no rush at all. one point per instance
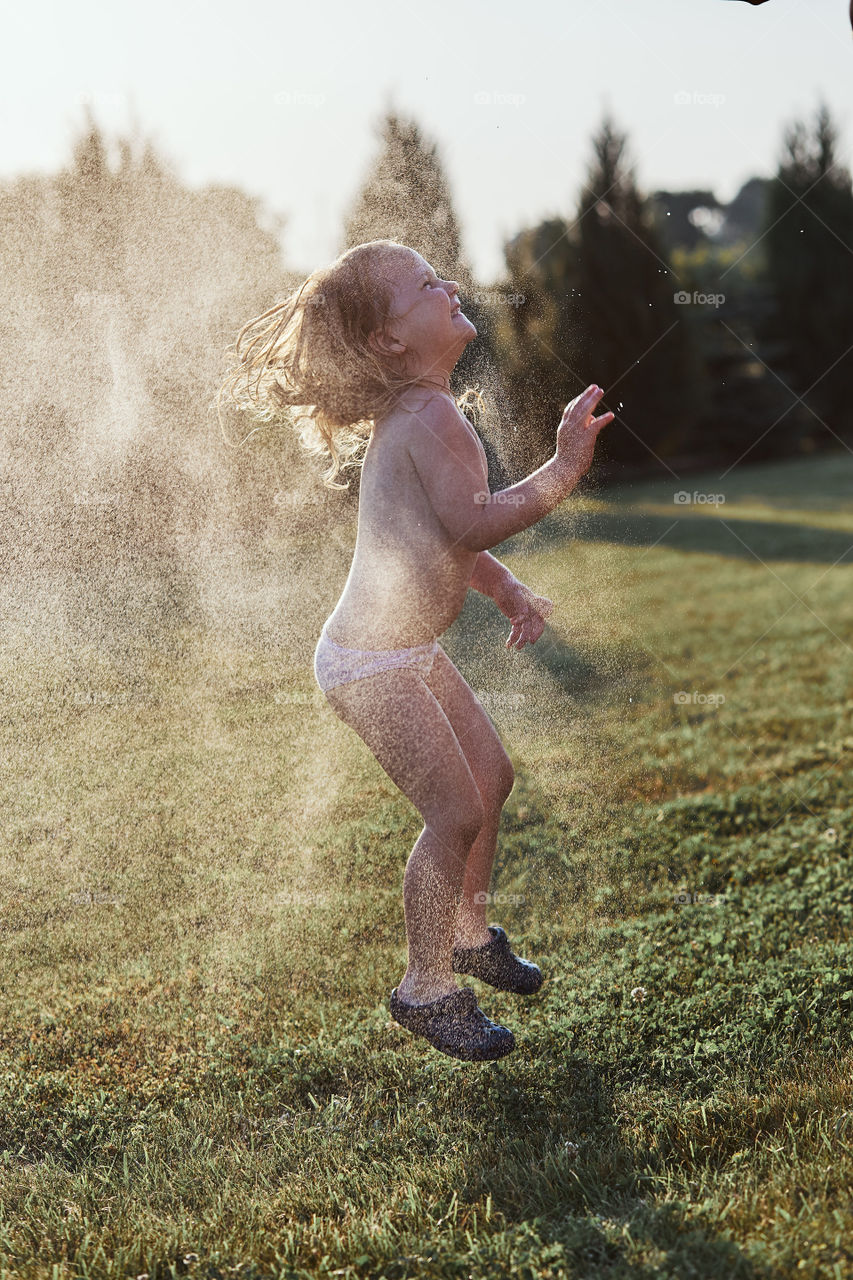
(366, 348)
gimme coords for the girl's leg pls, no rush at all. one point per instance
(494, 775)
(471, 926)
(401, 721)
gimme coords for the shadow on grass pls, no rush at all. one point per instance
(554, 1162)
(719, 535)
(475, 643)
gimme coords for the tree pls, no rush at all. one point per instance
(809, 248)
(538, 337)
(637, 346)
(747, 413)
(406, 197)
(92, 211)
(683, 218)
(718, 251)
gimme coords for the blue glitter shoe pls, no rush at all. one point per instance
(495, 963)
(455, 1025)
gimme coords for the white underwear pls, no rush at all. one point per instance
(333, 664)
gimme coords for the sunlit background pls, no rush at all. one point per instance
(283, 100)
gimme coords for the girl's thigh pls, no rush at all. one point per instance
(477, 736)
(403, 724)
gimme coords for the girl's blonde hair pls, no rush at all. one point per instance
(307, 360)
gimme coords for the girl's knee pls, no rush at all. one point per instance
(505, 779)
(461, 822)
(499, 784)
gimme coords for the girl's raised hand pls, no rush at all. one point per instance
(578, 430)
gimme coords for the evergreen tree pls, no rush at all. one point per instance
(406, 197)
(683, 218)
(91, 209)
(538, 338)
(809, 247)
(747, 413)
(637, 346)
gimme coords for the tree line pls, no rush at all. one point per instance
(722, 334)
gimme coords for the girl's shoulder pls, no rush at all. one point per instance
(442, 408)
(403, 415)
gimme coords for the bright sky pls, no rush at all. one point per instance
(284, 99)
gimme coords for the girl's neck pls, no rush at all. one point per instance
(432, 386)
(438, 386)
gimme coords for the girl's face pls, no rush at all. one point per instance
(426, 322)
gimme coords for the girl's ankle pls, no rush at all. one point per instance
(471, 935)
(425, 992)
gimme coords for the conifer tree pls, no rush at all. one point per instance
(636, 344)
(809, 251)
(540, 347)
(406, 196)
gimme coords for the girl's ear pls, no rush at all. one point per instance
(384, 345)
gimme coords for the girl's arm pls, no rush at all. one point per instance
(493, 579)
(523, 607)
(449, 464)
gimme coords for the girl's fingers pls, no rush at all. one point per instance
(586, 399)
(524, 628)
(515, 635)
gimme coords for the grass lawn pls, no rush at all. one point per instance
(200, 888)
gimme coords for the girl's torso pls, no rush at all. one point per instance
(407, 581)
